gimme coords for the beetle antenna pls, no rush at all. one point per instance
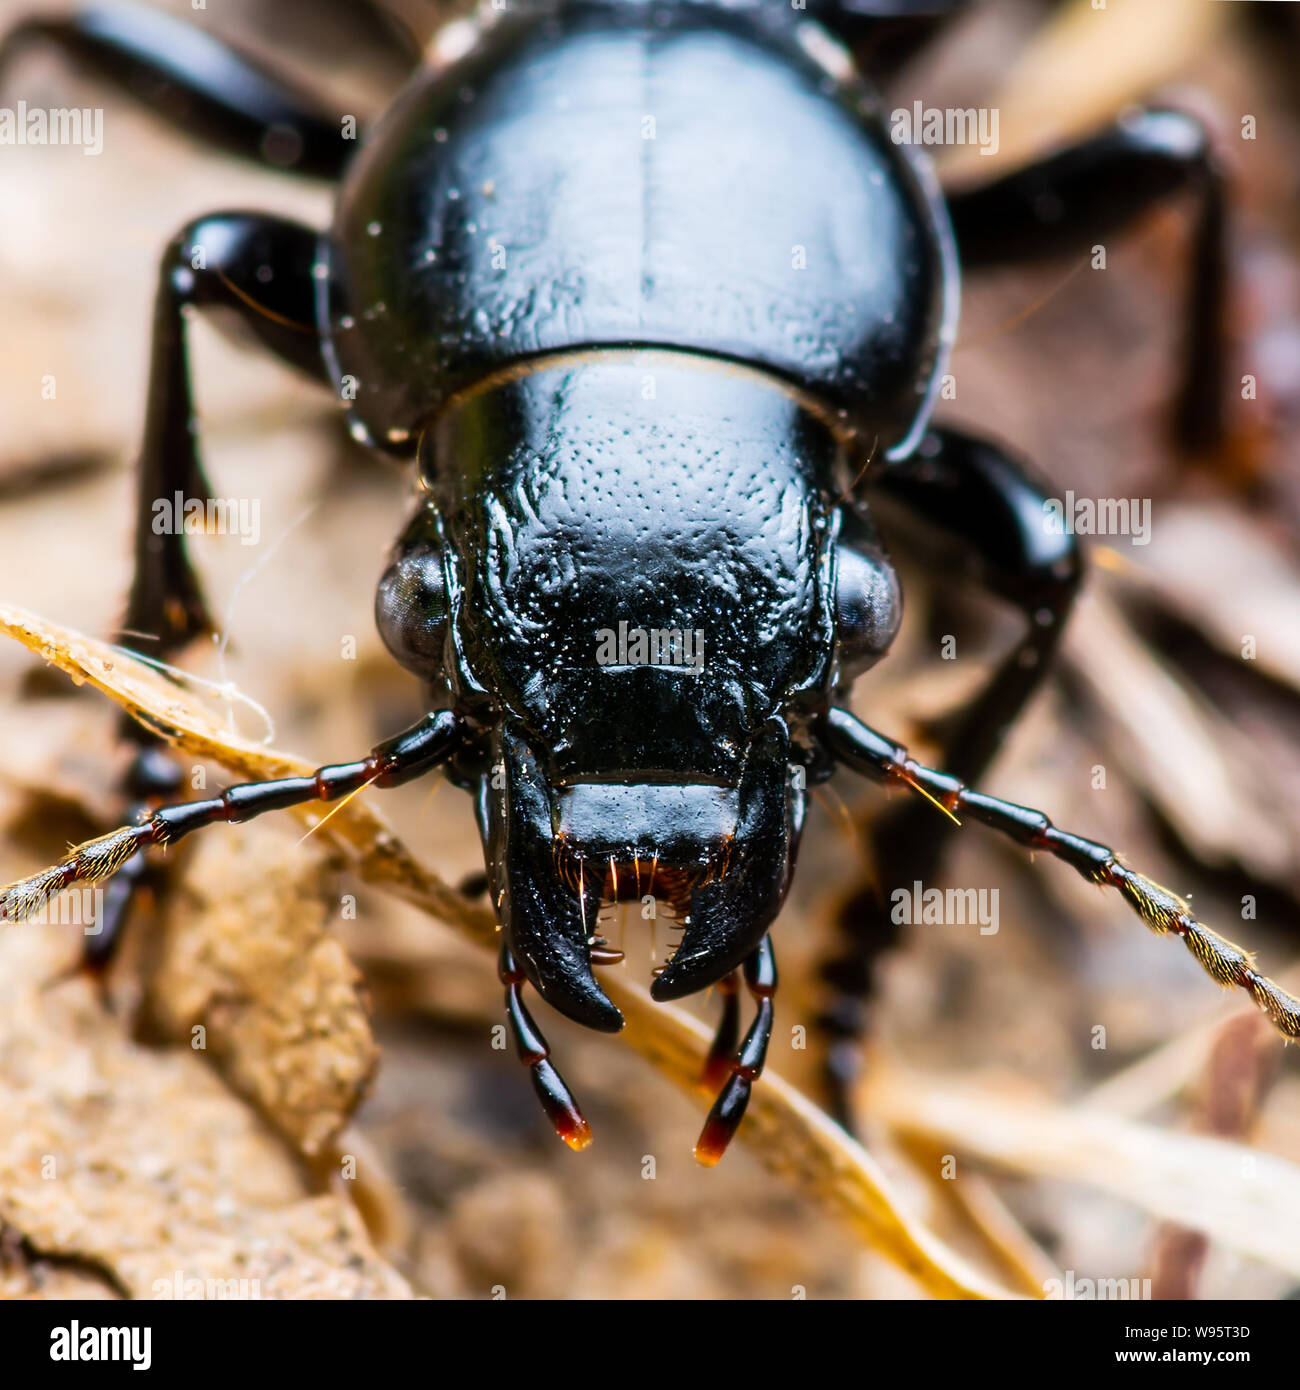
(873, 755)
(411, 754)
(334, 810)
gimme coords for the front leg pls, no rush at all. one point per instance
(1071, 199)
(259, 269)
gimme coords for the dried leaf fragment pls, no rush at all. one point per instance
(139, 1163)
(247, 956)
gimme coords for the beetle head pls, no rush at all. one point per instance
(626, 572)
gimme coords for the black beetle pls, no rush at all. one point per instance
(653, 299)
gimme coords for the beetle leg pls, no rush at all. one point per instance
(873, 755)
(729, 1108)
(260, 269)
(534, 1051)
(1092, 189)
(152, 779)
(197, 82)
(990, 504)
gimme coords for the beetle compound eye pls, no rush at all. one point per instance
(411, 606)
(868, 608)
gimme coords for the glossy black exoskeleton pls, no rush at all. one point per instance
(655, 303)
